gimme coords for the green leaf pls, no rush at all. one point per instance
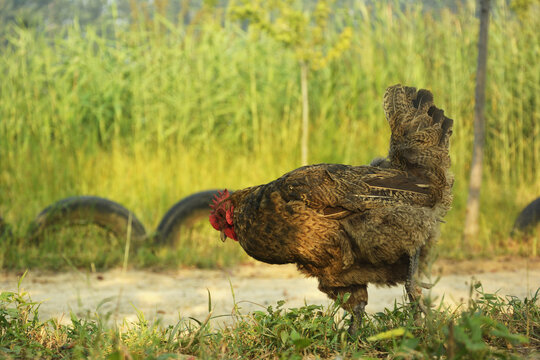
(209, 301)
(513, 338)
(12, 312)
(398, 332)
(301, 343)
(284, 336)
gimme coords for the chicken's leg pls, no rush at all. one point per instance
(357, 315)
(413, 291)
(357, 306)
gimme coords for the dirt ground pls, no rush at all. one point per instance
(169, 296)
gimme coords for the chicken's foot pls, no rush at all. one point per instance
(357, 315)
(413, 291)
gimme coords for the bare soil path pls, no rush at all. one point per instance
(183, 293)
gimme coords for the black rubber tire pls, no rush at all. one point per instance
(528, 217)
(184, 214)
(85, 210)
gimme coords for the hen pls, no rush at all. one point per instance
(354, 225)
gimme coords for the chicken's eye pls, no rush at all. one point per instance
(221, 213)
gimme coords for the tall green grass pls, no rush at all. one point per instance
(150, 113)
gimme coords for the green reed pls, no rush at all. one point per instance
(149, 113)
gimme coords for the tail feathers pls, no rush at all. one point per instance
(420, 135)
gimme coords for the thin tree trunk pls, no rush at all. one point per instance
(473, 202)
(305, 111)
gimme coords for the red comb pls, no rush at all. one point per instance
(219, 197)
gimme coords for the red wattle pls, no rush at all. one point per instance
(230, 233)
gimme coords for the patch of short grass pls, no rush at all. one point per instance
(489, 326)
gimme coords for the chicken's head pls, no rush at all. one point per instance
(221, 216)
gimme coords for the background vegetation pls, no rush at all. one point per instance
(145, 104)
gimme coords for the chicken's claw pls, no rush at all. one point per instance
(424, 285)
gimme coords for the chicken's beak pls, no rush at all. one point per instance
(222, 236)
